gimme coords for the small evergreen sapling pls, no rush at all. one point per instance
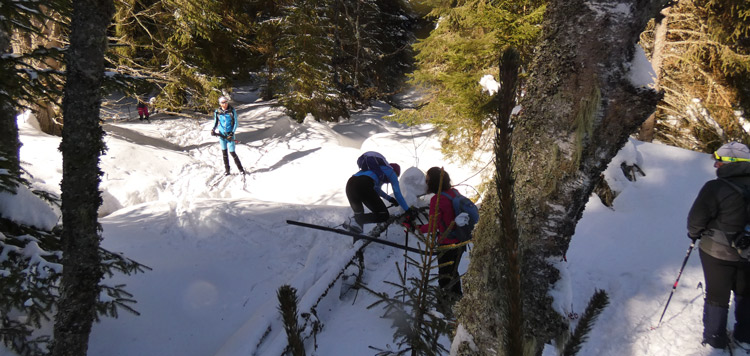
(419, 305)
(287, 296)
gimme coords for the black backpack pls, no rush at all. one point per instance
(462, 204)
(371, 161)
(741, 240)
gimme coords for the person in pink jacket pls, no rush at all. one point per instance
(441, 217)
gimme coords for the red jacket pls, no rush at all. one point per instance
(445, 216)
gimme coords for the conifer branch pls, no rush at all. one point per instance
(597, 303)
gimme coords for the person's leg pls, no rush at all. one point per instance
(719, 277)
(354, 188)
(379, 212)
(742, 303)
(226, 161)
(360, 190)
(237, 162)
(448, 277)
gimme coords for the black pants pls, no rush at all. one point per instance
(236, 161)
(360, 190)
(722, 277)
(448, 277)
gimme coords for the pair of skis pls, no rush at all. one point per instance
(215, 182)
(370, 238)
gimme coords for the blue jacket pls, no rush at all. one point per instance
(390, 177)
(225, 120)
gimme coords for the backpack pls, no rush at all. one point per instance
(741, 240)
(462, 204)
(371, 161)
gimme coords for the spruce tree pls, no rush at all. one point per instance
(372, 48)
(81, 146)
(461, 49)
(306, 62)
(188, 49)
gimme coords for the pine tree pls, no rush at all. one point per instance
(81, 146)
(458, 53)
(188, 49)
(306, 62)
(373, 48)
(266, 46)
(419, 308)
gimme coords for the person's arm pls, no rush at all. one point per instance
(393, 179)
(442, 219)
(705, 208)
(216, 120)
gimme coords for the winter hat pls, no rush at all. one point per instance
(732, 152)
(396, 168)
(223, 98)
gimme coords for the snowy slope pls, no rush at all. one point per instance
(219, 254)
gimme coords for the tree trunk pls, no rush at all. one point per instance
(646, 133)
(9, 144)
(81, 146)
(47, 112)
(578, 111)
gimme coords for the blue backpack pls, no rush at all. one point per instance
(371, 161)
(462, 204)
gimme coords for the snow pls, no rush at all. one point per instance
(641, 73)
(489, 84)
(219, 254)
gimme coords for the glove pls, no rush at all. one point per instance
(213, 133)
(392, 200)
(411, 214)
(230, 136)
(694, 239)
(462, 219)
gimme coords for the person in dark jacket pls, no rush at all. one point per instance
(364, 189)
(225, 119)
(716, 217)
(441, 216)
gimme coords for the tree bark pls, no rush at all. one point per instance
(646, 133)
(81, 147)
(50, 36)
(578, 111)
(9, 144)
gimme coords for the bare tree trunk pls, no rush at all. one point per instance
(646, 133)
(578, 111)
(9, 144)
(81, 146)
(47, 112)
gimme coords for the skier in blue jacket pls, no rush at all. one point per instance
(225, 119)
(364, 189)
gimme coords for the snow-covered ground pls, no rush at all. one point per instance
(219, 253)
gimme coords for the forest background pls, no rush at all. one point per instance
(327, 57)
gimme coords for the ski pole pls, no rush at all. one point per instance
(684, 262)
(406, 244)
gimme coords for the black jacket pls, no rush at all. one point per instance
(719, 210)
